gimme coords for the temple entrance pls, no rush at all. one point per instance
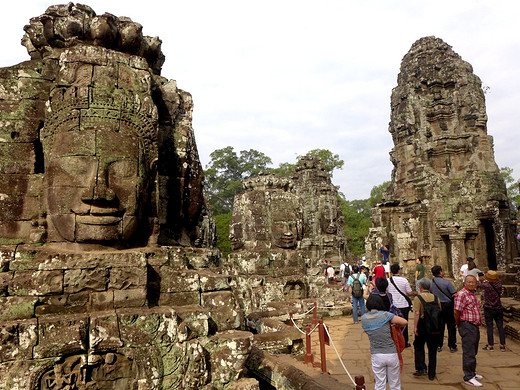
(489, 232)
(449, 261)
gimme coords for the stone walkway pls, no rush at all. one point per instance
(501, 370)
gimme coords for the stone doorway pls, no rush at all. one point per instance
(447, 253)
(489, 233)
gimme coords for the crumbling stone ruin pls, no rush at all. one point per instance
(281, 230)
(447, 199)
(98, 165)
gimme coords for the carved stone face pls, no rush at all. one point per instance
(286, 222)
(328, 221)
(95, 182)
(236, 236)
(285, 233)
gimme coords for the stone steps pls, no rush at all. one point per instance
(511, 291)
(511, 318)
(507, 277)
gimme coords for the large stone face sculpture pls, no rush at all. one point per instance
(281, 230)
(96, 146)
(98, 165)
(447, 199)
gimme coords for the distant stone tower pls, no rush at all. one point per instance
(447, 199)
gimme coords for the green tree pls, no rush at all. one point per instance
(222, 221)
(376, 194)
(225, 172)
(329, 159)
(512, 185)
(357, 218)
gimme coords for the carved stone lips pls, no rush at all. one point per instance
(98, 219)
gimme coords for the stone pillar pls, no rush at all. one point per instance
(458, 252)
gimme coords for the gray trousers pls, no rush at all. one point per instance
(469, 338)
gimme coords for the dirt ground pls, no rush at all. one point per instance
(501, 370)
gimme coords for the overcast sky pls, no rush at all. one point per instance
(285, 77)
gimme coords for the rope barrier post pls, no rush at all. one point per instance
(360, 382)
(309, 357)
(323, 340)
(291, 321)
(315, 314)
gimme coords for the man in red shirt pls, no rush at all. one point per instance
(379, 272)
(468, 318)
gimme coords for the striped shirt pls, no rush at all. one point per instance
(466, 302)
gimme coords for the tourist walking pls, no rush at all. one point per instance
(472, 269)
(345, 270)
(428, 321)
(464, 269)
(493, 310)
(356, 282)
(468, 319)
(400, 289)
(379, 272)
(325, 266)
(419, 272)
(445, 291)
(331, 275)
(385, 359)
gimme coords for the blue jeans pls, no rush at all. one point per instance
(355, 302)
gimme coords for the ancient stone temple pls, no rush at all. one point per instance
(106, 241)
(447, 199)
(281, 230)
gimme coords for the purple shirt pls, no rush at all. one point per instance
(492, 292)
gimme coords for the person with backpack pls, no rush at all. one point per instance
(428, 324)
(345, 272)
(445, 291)
(355, 282)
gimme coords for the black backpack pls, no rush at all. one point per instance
(433, 322)
(346, 270)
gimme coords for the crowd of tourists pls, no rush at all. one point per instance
(385, 300)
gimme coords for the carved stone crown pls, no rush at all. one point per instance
(64, 26)
(267, 182)
(65, 117)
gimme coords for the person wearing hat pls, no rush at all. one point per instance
(493, 308)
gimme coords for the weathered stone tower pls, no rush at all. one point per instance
(105, 238)
(281, 231)
(447, 199)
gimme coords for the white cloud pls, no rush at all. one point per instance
(285, 77)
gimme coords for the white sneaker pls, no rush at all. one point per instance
(478, 377)
(473, 382)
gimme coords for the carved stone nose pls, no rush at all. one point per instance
(99, 190)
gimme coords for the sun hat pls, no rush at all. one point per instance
(491, 276)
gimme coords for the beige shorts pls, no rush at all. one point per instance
(387, 267)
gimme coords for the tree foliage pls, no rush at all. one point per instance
(512, 185)
(330, 160)
(222, 221)
(225, 172)
(357, 218)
